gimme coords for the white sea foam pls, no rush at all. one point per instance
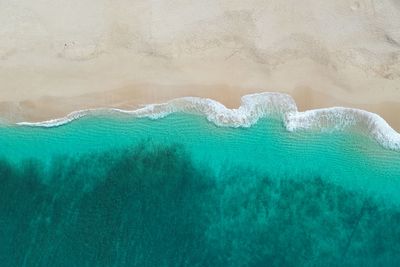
(255, 106)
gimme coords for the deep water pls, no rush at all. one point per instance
(112, 191)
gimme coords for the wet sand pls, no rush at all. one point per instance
(134, 97)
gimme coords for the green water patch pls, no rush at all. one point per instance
(157, 204)
(349, 159)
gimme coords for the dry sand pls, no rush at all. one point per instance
(61, 56)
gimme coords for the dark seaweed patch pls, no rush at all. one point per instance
(152, 206)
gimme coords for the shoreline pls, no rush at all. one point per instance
(252, 108)
(49, 108)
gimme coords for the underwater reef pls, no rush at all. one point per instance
(152, 205)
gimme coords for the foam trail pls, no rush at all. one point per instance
(252, 108)
(340, 118)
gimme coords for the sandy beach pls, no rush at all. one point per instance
(56, 58)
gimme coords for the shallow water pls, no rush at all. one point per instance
(180, 191)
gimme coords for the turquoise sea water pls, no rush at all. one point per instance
(114, 190)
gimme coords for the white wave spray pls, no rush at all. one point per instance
(255, 106)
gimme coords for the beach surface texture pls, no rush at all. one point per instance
(59, 57)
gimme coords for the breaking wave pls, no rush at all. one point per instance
(252, 108)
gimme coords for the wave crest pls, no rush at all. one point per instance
(252, 108)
